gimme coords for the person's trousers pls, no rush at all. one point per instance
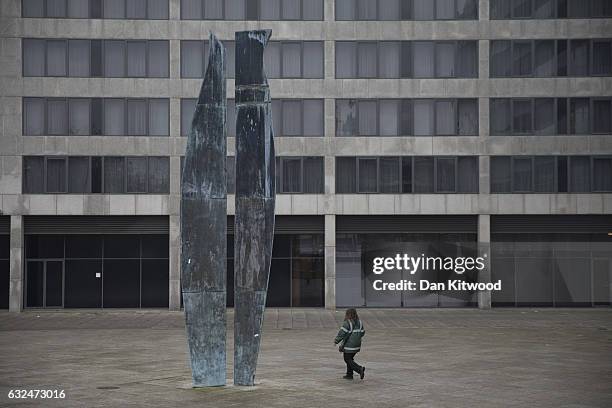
(351, 365)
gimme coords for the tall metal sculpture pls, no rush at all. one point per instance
(254, 221)
(204, 227)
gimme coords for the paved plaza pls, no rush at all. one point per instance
(414, 358)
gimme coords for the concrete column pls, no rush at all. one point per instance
(484, 245)
(175, 10)
(483, 10)
(16, 265)
(330, 261)
(175, 263)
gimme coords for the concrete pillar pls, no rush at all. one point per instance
(484, 245)
(175, 263)
(483, 10)
(330, 261)
(16, 264)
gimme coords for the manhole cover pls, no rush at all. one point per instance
(107, 387)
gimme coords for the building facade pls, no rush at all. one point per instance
(457, 125)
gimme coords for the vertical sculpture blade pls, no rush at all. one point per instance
(204, 227)
(254, 221)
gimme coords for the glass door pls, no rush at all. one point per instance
(45, 284)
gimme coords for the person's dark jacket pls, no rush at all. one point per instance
(350, 333)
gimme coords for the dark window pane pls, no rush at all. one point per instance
(313, 59)
(33, 8)
(345, 9)
(389, 59)
(367, 175)
(159, 115)
(78, 175)
(445, 175)
(562, 116)
(292, 118)
(137, 59)
(602, 57)
(313, 175)
(270, 9)
(83, 283)
(136, 9)
(78, 58)
(522, 58)
(467, 59)
(136, 174)
(121, 283)
(346, 117)
(389, 175)
(501, 58)
(501, 118)
(230, 174)
(231, 118)
(578, 8)
(345, 175)
(562, 57)
(467, 9)
(367, 118)
(468, 117)
(114, 59)
(601, 8)
(56, 58)
(446, 120)
(562, 178)
(56, 175)
(423, 174)
(54, 284)
(114, 117)
(406, 174)
(191, 9)
(467, 177)
(44, 246)
(423, 59)
(501, 177)
(602, 116)
(500, 9)
(579, 58)
(96, 174)
(113, 174)
(158, 59)
(154, 246)
(367, 60)
(272, 60)
(545, 63)
(522, 174)
(580, 170)
(423, 9)
(121, 246)
(33, 171)
(521, 9)
(155, 282)
(157, 9)
(423, 117)
(544, 174)
(79, 113)
(83, 246)
(292, 175)
(312, 10)
(34, 284)
(313, 117)
(213, 9)
(544, 8)
(114, 8)
(445, 60)
(544, 116)
(33, 116)
(389, 10)
(33, 57)
(522, 120)
(292, 59)
(291, 9)
(96, 65)
(346, 59)
(388, 117)
(579, 116)
(602, 171)
(137, 117)
(192, 59)
(159, 175)
(57, 117)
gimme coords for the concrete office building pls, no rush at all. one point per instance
(397, 122)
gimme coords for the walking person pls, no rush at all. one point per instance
(349, 337)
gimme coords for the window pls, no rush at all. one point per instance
(78, 174)
(521, 174)
(367, 60)
(137, 117)
(468, 117)
(580, 169)
(159, 115)
(445, 175)
(95, 58)
(406, 10)
(545, 63)
(423, 59)
(602, 116)
(423, 117)
(522, 116)
(467, 174)
(55, 175)
(33, 116)
(346, 118)
(79, 115)
(389, 59)
(252, 10)
(579, 116)
(346, 60)
(602, 57)
(114, 117)
(33, 174)
(113, 9)
(346, 175)
(602, 168)
(522, 58)
(445, 118)
(389, 175)
(501, 57)
(544, 174)
(57, 117)
(299, 175)
(136, 174)
(501, 175)
(291, 60)
(579, 58)
(544, 117)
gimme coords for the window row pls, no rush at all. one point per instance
(406, 117)
(543, 9)
(294, 174)
(406, 9)
(95, 116)
(96, 174)
(95, 58)
(551, 174)
(252, 9)
(551, 116)
(551, 58)
(112, 9)
(420, 174)
(282, 59)
(406, 59)
(290, 117)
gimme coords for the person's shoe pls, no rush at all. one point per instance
(362, 372)
(348, 377)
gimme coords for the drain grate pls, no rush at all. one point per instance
(107, 387)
